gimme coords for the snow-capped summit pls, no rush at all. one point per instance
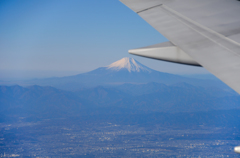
(130, 64)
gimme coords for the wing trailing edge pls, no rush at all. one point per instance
(166, 51)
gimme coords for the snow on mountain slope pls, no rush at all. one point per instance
(130, 64)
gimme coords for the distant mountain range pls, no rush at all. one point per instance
(126, 70)
(125, 87)
(40, 101)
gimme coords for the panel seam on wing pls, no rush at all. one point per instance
(202, 27)
(149, 8)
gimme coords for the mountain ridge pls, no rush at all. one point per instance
(134, 98)
(125, 70)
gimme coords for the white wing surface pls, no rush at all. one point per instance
(165, 51)
(201, 32)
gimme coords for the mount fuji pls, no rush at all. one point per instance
(128, 70)
(125, 70)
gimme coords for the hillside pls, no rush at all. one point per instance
(125, 99)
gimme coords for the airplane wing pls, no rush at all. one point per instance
(201, 32)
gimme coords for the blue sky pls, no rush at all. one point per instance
(62, 37)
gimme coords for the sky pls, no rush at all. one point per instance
(65, 37)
